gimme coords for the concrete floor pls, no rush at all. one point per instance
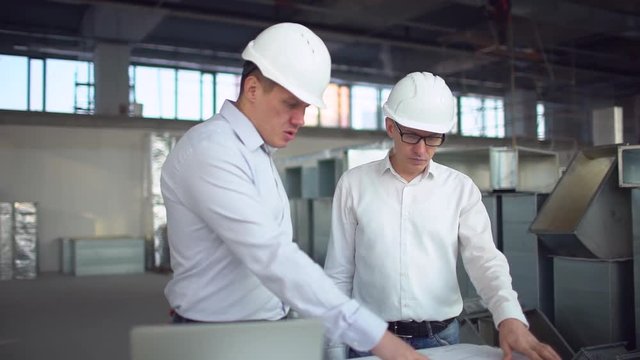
(73, 318)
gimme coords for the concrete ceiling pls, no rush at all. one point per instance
(579, 47)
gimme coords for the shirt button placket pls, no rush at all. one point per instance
(404, 223)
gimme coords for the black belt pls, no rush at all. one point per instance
(179, 319)
(418, 329)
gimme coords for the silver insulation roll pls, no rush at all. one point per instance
(25, 240)
(6, 241)
(160, 145)
(160, 241)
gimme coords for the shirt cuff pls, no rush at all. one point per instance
(365, 331)
(509, 311)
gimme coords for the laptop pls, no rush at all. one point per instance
(295, 339)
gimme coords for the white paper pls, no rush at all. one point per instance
(462, 352)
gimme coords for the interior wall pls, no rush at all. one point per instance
(86, 182)
(89, 181)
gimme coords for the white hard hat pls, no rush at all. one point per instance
(421, 101)
(295, 58)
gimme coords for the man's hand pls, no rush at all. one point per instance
(514, 336)
(392, 348)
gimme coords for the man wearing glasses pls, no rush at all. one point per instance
(399, 223)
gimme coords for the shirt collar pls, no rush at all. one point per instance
(385, 165)
(244, 128)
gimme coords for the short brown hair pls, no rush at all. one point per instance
(249, 68)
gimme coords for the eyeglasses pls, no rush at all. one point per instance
(411, 138)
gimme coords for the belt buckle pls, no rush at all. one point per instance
(395, 331)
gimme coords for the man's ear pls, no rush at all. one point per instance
(388, 125)
(251, 87)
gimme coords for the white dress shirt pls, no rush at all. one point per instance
(230, 237)
(394, 244)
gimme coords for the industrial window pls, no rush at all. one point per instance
(155, 89)
(311, 116)
(336, 113)
(182, 94)
(540, 121)
(481, 116)
(59, 85)
(364, 107)
(13, 77)
(36, 85)
(227, 86)
(206, 107)
(330, 115)
(54, 85)
(82, 85)
(68, 86)
(384, 95)
(189, 95)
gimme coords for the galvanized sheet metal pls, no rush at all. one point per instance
(160, 145)
(160, 241)
(603, 289)
(587, 215)
(25, 260)
(6, 241)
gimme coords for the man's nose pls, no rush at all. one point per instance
(297, 118)
(421, 147)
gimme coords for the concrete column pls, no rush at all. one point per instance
(111, 73)
(520, 114)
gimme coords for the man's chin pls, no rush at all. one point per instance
(419, 162)
(279, 145)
